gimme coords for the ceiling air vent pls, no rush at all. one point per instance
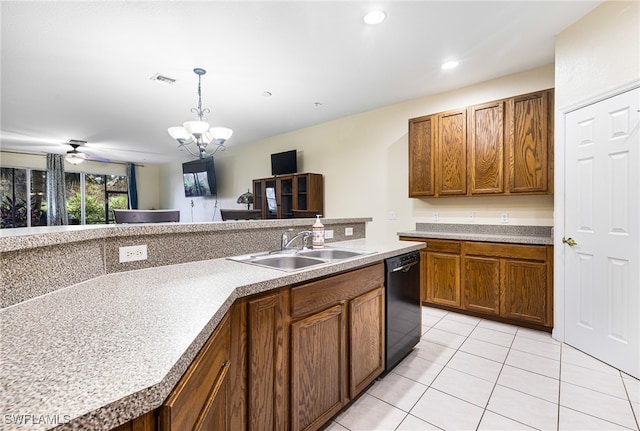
(162, 78)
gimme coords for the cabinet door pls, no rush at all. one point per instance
(285, 197)
(486, 148)
(443, 278)
(421, 156)
(259, 200)
(525, 291)
(366, 334)
(451, 170)
(268, 393)
(200, 397)
(317, 368)
(482, 284)
(530, 143)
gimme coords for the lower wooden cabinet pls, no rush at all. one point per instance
(335, 321)
(366, 329)
(482, 284)
(520, 274)
(284, 360)
(199, 400)
(267, 396)
(509, 281)
(318, 361)
(146, 422)
(442, 271)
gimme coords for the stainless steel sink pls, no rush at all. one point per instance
(285, 262)
(331, 253)
(301, 259)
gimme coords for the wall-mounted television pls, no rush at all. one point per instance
(199, 177)
(284, 163)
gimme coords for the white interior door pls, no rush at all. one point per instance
(602, 269)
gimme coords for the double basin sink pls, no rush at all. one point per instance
(293, 260)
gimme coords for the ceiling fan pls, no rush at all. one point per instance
(76, 157)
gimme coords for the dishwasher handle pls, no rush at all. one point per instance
(404, 268)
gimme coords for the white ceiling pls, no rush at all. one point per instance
(81, 70)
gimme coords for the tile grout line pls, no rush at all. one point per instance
(626, 390)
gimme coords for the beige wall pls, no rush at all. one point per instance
(147, 177)
(595, 57)
(364, 160)
(598, 53)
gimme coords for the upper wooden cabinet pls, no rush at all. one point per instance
(422, 156)
(486, 148)
(497, 148)
(530, 142)
(282, 196)
(451, 170)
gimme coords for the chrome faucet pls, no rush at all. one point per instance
(286, 242)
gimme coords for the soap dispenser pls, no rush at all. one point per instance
(318, 233)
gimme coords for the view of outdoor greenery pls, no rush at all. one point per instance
(13, 189)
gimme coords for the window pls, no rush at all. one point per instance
(15, 208)
(90, 198)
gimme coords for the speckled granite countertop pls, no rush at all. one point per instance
(101, 352)
(25, 238)
(536, 235)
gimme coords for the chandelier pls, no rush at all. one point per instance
(195, 136)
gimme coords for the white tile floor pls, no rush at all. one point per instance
(474, 374)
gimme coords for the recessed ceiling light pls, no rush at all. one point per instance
(267, 93)
(451, 64)
(375, 17)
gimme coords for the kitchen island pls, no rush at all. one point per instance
(96, 354)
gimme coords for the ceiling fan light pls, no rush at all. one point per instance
(75, 158)
(196, 128)
(221, 133)
(178, 133)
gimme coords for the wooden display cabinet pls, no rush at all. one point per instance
(278, 197)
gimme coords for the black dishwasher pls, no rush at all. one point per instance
(402, 307)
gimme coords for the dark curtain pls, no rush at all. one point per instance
(56, 196)
(133, 188)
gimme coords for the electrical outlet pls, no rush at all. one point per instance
(328, 234)
(133, 253)
(436, 216)
(393, 215)
(348, 231)
(504, 218)
(471, 217)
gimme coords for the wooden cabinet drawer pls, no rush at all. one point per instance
(512, 251)
(443, 245)
(189, 404)
(315, 296)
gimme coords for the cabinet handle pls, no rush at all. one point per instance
(569, 241)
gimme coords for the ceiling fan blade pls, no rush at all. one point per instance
(97, 159)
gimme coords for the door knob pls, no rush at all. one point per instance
(569, 241)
